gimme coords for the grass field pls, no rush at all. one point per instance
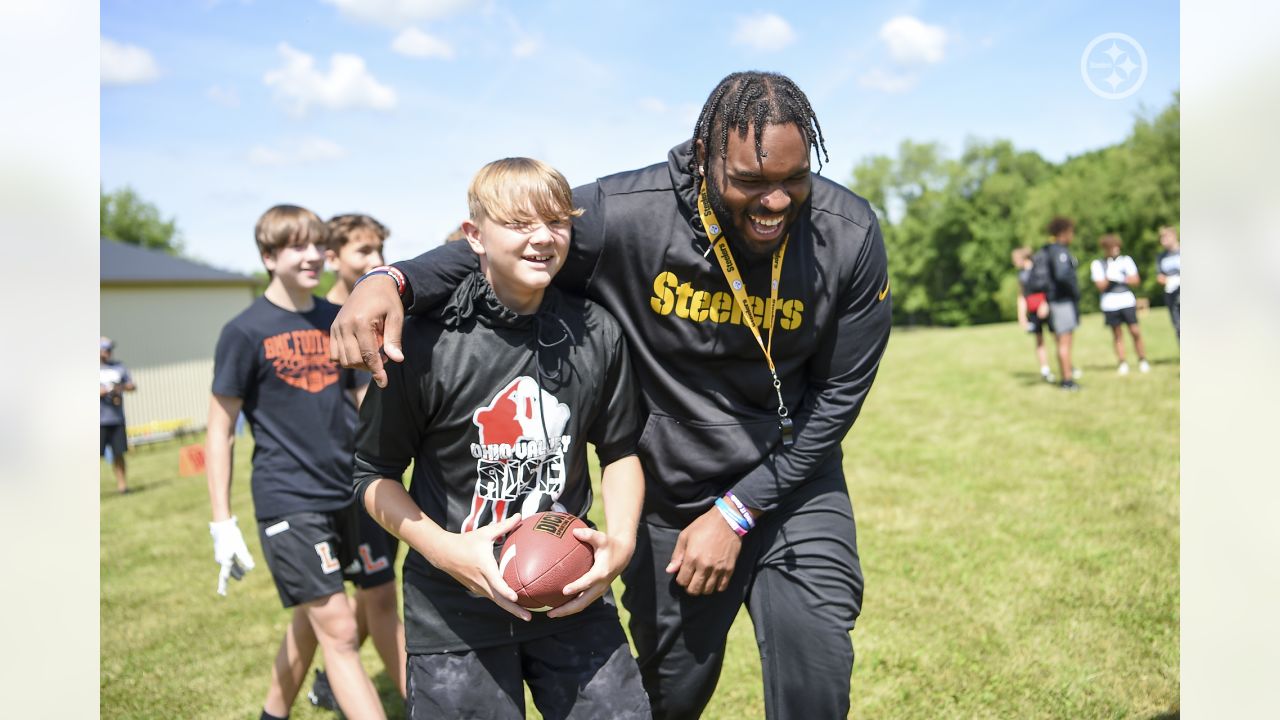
(1020, 546)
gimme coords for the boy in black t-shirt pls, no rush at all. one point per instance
(272, 362)
(354, 248)
(494, 404)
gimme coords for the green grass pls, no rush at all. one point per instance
(1020, 546)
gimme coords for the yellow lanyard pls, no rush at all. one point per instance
(731, 273)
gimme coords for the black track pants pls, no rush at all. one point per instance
(799, 575)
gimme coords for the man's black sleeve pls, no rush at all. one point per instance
(840, 376)
(587, 243)
(434, 275)
(616, 426)
(389, 433)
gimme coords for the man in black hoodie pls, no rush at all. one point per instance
(705, 259)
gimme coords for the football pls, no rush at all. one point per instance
(541, 556)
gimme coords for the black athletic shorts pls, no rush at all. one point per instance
(307, 551)
(375, 557)
(585, 673)
(114, 436)
(1125, 316)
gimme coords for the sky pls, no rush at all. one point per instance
(215, 110)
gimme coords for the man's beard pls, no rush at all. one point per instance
(729, 222)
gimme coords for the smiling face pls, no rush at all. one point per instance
(757, 199)
(519, 258)
(297, 265)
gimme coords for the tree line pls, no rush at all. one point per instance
(950, 224)
(125, 217)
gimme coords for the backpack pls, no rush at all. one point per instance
(1041, 276)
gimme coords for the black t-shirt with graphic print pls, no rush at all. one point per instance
(277, 362)
(495, 409)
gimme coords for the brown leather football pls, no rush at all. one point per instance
(541, 556)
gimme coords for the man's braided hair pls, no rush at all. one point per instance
(753, 98)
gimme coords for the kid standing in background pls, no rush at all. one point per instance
(1033, 307)
(1114, 275)
(355, 247)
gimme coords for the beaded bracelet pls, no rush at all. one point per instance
(388, 270)
(737, 524)
(742, 509)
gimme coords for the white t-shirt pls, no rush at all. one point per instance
(1116, 270)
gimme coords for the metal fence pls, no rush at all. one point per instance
(171, 400)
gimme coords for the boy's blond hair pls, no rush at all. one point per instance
(341, 227)
(1109, 241)
(520, 190)
(285, 225)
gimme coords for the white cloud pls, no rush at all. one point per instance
(763, 31)
(296, 152)
(126, 64)
(526, 46)
(397, 14)
(911, 42)
(884, 81)
(347, 85)
(226, 97)
(415, 43)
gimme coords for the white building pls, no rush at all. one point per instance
(164, 314)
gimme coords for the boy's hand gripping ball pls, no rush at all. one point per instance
(541, 556)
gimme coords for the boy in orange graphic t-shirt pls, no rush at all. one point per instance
(272, 362)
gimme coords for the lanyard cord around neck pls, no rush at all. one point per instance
(724, 255)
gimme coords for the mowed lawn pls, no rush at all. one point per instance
(1020, 546)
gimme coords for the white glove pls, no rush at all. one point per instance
(229, 551)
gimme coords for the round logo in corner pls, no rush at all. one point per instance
(1113, 66)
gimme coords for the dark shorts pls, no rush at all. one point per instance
(1124, 316)
(307, 551)
(114, 436)
(375, 556)
(588, 673)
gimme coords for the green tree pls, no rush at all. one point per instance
(950, 225)
(127, 218)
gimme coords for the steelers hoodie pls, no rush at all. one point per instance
(710, 410)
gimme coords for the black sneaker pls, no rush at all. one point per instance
(1070, 385)
(320, 694)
